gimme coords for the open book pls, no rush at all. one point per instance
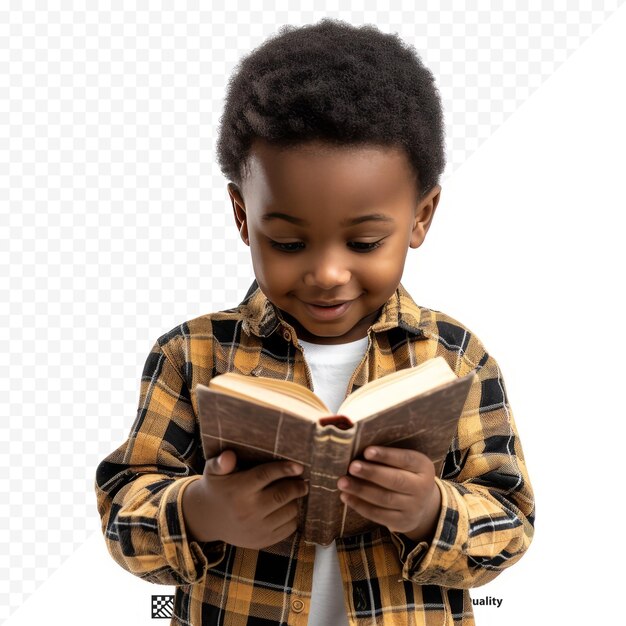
(265, 419)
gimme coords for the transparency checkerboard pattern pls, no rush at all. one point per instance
(162, 607)
(116, 224)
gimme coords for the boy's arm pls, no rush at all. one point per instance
(139, 486)
(487, 504)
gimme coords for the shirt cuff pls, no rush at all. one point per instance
(189, 558)
(425, 564)
(409, 550)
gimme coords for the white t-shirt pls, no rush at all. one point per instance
(331, 367)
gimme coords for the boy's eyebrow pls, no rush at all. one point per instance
(283, 216)
(372, 217)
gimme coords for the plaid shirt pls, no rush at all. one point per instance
(487, 513)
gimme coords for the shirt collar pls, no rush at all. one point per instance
(262, 318)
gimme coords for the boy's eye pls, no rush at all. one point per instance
(291, 246)
(296, 246)
(364, 246)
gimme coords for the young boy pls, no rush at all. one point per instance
(332, 138)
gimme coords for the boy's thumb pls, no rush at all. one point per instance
(221, 465)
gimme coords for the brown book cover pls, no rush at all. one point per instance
(259, 433)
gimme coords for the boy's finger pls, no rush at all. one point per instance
(222, 464)
(380, 515)
(374, 494)
(390, 478)
(266, 473)
(283, 494)
(410, 460)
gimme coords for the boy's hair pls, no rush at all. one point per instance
(335, 82)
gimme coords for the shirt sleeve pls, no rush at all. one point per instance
(487, 505)
(139, 486)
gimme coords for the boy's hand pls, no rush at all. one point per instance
(254, 508)
(396, 489)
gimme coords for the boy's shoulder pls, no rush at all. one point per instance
(253, 314)
(437, 326)
(448, 337)
(444, 335)
(215, 325)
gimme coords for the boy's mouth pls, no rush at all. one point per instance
(325, 311)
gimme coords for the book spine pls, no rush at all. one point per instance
(331, 455)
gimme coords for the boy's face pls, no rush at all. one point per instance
(329, 229)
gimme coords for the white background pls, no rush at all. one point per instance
(117, 227)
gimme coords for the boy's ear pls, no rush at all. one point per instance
(424, 212)
(239, 211)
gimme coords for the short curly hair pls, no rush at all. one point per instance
(339, 83)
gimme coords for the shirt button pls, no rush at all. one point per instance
(297, 606)
(286, 335)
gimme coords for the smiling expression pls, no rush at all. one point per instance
(329, 229)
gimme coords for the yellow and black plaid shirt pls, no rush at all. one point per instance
(487, 513)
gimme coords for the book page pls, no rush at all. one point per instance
(395, 388)
(281, 394)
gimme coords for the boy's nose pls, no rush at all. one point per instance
(328, 272)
